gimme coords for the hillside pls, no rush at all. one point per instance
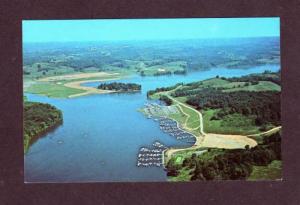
(247, 106)
(244, 105)
(39, 118)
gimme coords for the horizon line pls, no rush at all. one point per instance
(162, 39)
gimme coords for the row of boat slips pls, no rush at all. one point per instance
(158, 113)
(172, 128)
(156, 110)
(151, 156)
(154, 156)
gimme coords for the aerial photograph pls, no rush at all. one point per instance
(151, 100)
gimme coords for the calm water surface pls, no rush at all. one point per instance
(101, 134)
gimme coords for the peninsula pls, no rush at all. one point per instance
(225, 114)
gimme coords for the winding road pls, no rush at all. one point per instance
(208, 139)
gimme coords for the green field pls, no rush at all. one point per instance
(261, 86)
(271, 172)
(228, 86)
(164, 67)
(184, 176)
(52, 90)
(230, 124)
(56, 88)
(179, 117)
(193, 120)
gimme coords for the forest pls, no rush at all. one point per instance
(265, 106)
(221, 164)
(38, 119)
(262, 105)
(120, 86)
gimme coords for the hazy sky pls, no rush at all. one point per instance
(147, 29)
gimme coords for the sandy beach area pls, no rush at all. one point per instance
(78, 76)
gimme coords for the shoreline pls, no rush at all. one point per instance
(209, 140)
(88, 90)
(41, 134)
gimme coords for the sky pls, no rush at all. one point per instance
(147, 29)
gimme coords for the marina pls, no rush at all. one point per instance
(151, 156)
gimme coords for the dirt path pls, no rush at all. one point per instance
(271, 131)
(186, 106)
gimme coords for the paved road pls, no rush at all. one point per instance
(171, 151)
(194, 110)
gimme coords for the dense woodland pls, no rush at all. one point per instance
(265, 106)
(120, 86)
(219, 164)
(38, 119)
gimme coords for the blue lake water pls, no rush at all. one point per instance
(101, 134)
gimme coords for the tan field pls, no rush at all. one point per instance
(77, 76)
(226, 141)
(210, 140)
(76, 81)
(89, 90)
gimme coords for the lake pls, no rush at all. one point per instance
(101, 134)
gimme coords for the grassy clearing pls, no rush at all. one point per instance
(214, 82)
(261, 86)
(183, 176)
(230, 124)
(179, 117)
(187, 153)
(271, 172)
(55, 86)
(182, 99)
(52, 90)
(155, 96)
(166, 67)
(193, 121)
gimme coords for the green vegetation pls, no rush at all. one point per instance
(38, 119)
(264, 106)
(230, 124)
(147, 58)
(158, 90)
(229, 106)
(244, 105)
(120, 86)
(179, 117)
(260, 86)
(56, 87)
(272, 171)
(193, 120)
(221, 164)
(157, 68)
(52, 89)
(184, 176)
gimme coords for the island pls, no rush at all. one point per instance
(39, 118)
(120, 87)
(236, 122)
